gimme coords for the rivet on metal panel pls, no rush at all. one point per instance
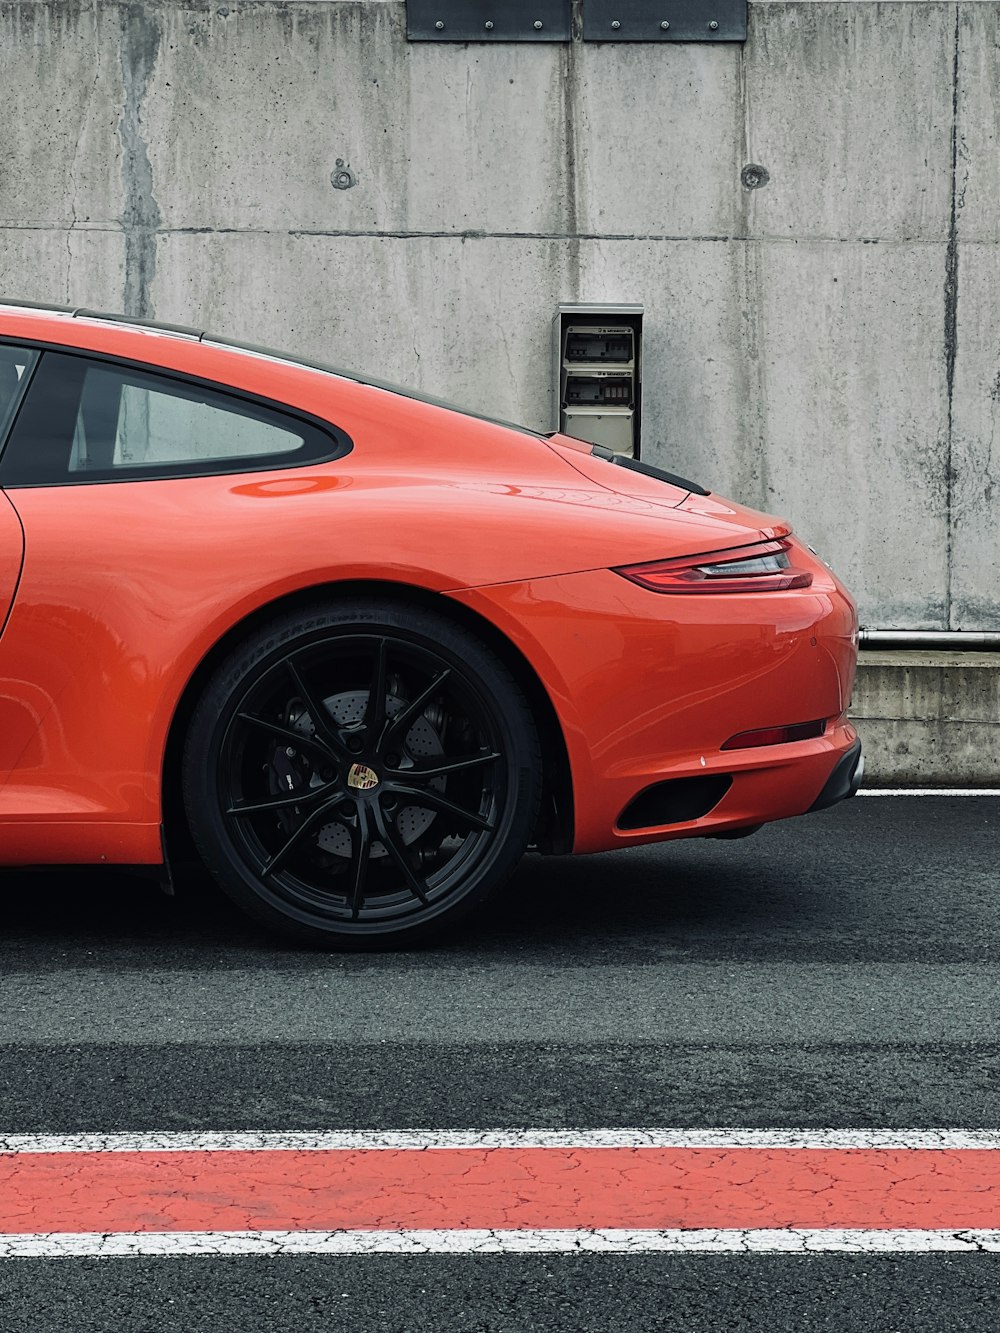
(488, 25)
(710, 21)
(439, 25)
(538, 23)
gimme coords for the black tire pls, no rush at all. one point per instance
(361, 774)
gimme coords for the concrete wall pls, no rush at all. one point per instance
(929, 719)
(826, 346)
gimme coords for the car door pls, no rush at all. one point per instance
(11, 556)
(122, 477)
(16, 364)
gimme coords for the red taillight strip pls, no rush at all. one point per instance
(701, 573)
(799, 731)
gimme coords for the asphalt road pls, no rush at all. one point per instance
(838, 971)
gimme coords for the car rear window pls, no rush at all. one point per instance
(127, 419)
(87, 419)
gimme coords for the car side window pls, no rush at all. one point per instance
(87, 420)
(15, 367)
(129, 420)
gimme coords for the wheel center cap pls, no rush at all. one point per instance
(361, 777)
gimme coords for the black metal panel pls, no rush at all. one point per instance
(488, 20)
(665, 21)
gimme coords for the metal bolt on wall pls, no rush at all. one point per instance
(603, 20)
(342, 177)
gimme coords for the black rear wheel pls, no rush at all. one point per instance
(361, 773)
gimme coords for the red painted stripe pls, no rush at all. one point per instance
(499, 1188)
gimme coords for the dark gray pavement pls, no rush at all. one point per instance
(838, 971)
(507, 1294)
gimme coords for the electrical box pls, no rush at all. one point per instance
(598, 372)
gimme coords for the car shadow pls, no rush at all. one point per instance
(681, 899)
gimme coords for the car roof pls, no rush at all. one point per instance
(59, 313)
(81, 312)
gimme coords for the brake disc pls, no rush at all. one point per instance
(421, 742)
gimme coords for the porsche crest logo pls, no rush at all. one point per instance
(361, 777)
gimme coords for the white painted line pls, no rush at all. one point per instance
(422, 1139)
(929, 791)
(182, 1243)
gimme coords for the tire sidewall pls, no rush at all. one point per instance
(480, 670)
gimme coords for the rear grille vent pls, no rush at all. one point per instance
(675, 802)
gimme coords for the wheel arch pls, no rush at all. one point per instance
(556, 823)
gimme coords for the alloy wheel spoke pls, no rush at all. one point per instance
(361, 846)
(374, 719)
(400, 724)
(426, 772)
(429, 799)
(387, 836)
(280, 802)
(307, 825)
(320, 718)
(282, 732)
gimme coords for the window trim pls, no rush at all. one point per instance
(339, 441)
(24, 387)
(285, 358)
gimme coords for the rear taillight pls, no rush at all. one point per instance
(763, 567)
(799, 731)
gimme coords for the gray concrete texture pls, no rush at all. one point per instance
(826, 347)
(929, 719)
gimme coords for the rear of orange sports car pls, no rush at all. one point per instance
(704, 693)
(368, 669)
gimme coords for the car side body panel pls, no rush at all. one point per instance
(128, 586)
(11, 556)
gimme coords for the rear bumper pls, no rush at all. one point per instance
(843, 782)
(648, 689)
(776, 782)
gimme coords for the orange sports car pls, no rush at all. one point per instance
(359, 649)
